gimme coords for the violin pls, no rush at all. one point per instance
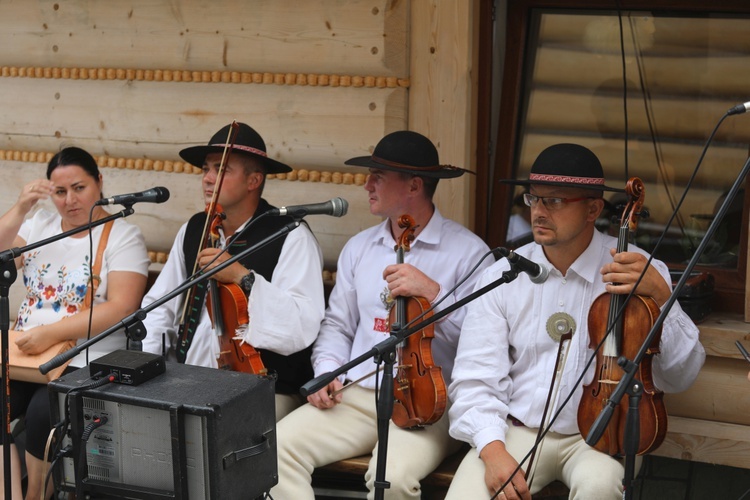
(419, 387)
(623, 336)
(227, 308)
(226, 302)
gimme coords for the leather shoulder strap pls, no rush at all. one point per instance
(97, 265)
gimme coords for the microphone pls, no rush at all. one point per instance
(739, 109)
(538, 273)
(336, 207)
(153, 195)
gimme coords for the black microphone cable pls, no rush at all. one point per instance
(90, 288)
(494, 252)
(61, 428)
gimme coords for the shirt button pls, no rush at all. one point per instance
(561, 303)
(564, 281)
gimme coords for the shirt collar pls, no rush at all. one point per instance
(430, 235)
(587, 264)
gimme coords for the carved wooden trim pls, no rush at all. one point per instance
(302, 175)
(166, 75)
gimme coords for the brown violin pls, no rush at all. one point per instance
(419, 388)
(623, 336)
(226, 302)
(227, 308)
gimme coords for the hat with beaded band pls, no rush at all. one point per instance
(566, 165)
(247, 141)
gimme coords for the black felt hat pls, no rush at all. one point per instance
(566, 165)
(407, 151)
(247, 141)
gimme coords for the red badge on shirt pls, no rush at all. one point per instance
(381, 325)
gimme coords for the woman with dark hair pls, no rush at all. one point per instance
(57, 282)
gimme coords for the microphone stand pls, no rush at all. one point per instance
(386, 351)
(628, 384)
(141, 314)
(8, 275)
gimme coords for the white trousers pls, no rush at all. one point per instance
(286, 404)
(308, 438)
(590, 474)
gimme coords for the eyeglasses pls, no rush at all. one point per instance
(550, 203)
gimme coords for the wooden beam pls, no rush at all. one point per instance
(714, 394)
(442, 94)
(303, 126)
(577, 67)
(706, 441)
(314, 36)
(669, 118)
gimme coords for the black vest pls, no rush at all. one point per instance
(291, 371)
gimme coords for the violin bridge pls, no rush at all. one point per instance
(610, 382)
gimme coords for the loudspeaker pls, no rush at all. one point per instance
(191, 432)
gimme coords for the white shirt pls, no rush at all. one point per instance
(56, 275)
(506, 357)
(356, 319)
(285, 313)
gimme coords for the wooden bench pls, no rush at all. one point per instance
(350, 473)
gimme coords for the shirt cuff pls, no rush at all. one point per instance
(488, 435)
(325, 366)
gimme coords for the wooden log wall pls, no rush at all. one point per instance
(135, 81)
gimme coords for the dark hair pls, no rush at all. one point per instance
(429, 184)
(74, 156)
(252, 164)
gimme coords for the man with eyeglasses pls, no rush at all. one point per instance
(514, 343)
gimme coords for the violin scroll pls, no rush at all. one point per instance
(406, 222)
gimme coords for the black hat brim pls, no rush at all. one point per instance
(196, 155)
(445, 172)
(560, 184)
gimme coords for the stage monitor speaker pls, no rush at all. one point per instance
(192, 432)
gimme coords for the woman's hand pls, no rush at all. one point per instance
(32, 193)
(10, 222)
(34, 341)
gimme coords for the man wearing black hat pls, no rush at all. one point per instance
(282, 281)
(509, 348)
(404, 172)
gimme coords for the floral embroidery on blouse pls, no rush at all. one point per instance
(63, 290)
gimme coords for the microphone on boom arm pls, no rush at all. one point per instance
(538, 273)
(153, 195)
(335, 207)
